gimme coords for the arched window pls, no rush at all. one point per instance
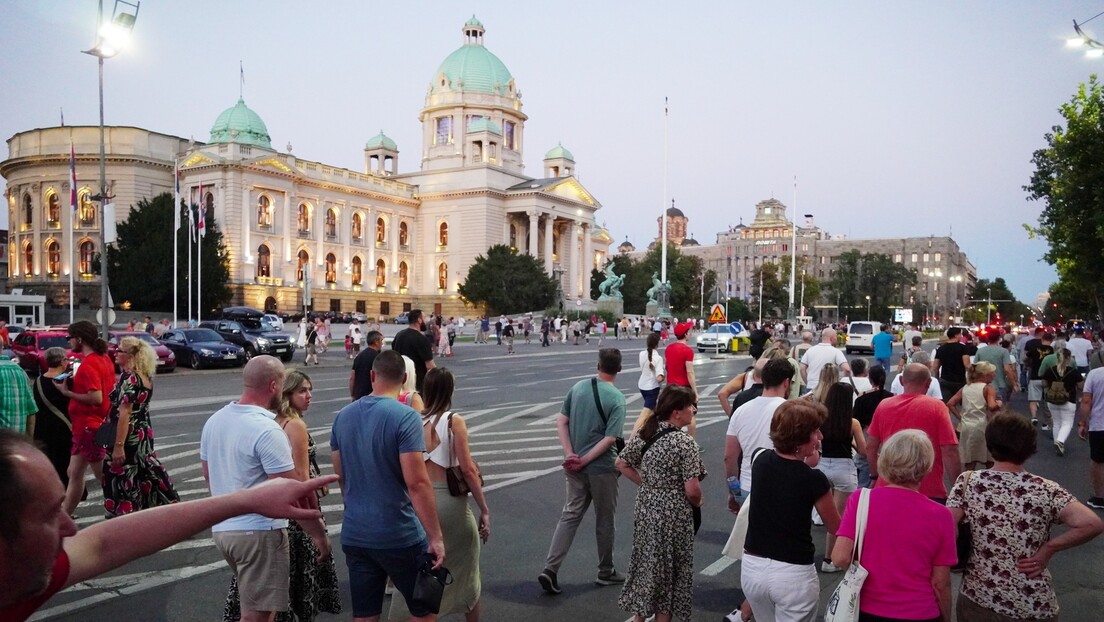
(442, 276)
(28, 259)
(381, 231)
(87, 210)
(442, 235)
(331, 223)
(53, 258)
(209, 202)
(28, 212)
(53, 209)
(304, 259)
(264, 212)
(87, 253)
(264, 261)
(381, 273)
(358, 227)
(331, 268)
(404, 234)
(357, 271)
(304, 218)
(404, 271)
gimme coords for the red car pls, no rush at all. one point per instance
(30, 347)
(166, 360)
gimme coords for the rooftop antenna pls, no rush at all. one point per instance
(241, 81)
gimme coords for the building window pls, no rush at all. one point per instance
(87, 253)
(301, 268)
(442, 276)
(914, 258)
(358, 227)
(53, 258)
(444, 131)
(28, 212)
(925, 256)
(385, 308)
(331, 268)
(87, 210)
(935, 286)
(53, 209)
(304, 219)
(381, 231)
(513, 236)
(28, 258)
(381, 273)
(264, 212)
(331, 223)
(939, 256)
(508, 135)
(442, 235)
(357, 271)
(897, 258)
(264, 261)
(404, 234)
(404, 272)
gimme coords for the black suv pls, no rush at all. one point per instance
(254, 335)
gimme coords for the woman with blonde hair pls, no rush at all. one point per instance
(974, 405)
(829, 377)
(1061, 393)
(133, 478)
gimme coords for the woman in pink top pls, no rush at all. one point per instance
(909, 545)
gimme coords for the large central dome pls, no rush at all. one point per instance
(473, 68)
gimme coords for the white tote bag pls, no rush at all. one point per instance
(843, 606)
(734, 548)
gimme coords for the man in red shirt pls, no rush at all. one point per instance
(914, 409)
(678, 358)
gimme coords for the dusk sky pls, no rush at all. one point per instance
(898, 119)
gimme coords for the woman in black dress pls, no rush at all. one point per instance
(52, 426)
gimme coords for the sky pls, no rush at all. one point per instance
(897, 119)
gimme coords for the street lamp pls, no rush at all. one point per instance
(868, 308)
(1095, 48)
(110, 38)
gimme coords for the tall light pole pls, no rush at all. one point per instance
(868, 308)
(110, 37)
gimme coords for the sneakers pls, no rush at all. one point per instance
(1046, 427)
(612, 578)
(1034, 421)
(548, 582)
(1095, 502)
(1059, 448)
(828, 567)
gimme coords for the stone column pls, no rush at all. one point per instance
(534, 220)
(588, 260)
(345, 233)
(549, 227)
(571, 246)
(506, 229)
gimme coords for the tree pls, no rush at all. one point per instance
(804, 276)
(1005, 306)
(1069, 179)
(506, 282)
(875, 275)
(141, 270)
(774, 294)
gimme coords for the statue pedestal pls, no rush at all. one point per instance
(651, 309)
(616, 306)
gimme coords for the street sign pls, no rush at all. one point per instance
(717, 315)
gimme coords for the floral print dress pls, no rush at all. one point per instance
(661, 570)
(140, 482)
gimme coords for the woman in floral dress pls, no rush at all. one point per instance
(665, 462)
(133, 476)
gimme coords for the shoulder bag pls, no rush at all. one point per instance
(105, 434)
(619, 441)
(964, 539)
(734, 548)
(843, 605)
(457, 485)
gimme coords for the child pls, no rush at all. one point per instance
(906, 356)
(978, 402)
(348, 346)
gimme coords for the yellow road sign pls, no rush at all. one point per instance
(717, 315)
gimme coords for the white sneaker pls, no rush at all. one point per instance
(828, 567)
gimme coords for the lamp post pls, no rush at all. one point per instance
(110, 37)
(868, 308)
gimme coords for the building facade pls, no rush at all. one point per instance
(377, 241)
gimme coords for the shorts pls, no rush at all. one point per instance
(841, 473)
(1096, 446)
(1035, 390)
(261, 561)
(84, 444)
(368, 573)
(650, 396)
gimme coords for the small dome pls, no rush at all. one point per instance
(381, 141)
(690, 242)
(674, 212)
(626, 245)
(473, 23)
(484, 125)
(473, 68)
(559, 152)
(241, 125)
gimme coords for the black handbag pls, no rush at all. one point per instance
(454, 477)
(429, 585)
(105, 435)
(964, 540)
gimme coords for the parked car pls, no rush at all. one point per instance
(166, 360)
(29, 347)
(203, 347)
(403, 318)
(276, 321)
(255, 335)
(718, 338)
(860, 336)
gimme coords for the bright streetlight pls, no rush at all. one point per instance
(1095, 49)
(868, 308)
(110, 39)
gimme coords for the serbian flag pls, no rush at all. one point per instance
(176, 197)
(201, 225)
(72, 177)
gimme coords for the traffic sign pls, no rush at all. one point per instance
(717, 315)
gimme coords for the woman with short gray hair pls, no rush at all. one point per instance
(53, 429)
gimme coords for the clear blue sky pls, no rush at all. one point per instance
(898, 119)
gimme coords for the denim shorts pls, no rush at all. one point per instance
(368, 572)
(650, 396)
(840, 472)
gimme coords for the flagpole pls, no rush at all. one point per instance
(663, 205)
(199, 252)
(175, 243)
(72, 209)
(191, 239)
(793, 250)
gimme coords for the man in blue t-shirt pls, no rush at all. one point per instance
(883, 347)
(390, 512)
(590, 422)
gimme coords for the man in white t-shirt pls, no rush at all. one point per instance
(910, 332)
(823, 353)
(1080, 348)
(923, 358)
(749, 429)
(1090, 427)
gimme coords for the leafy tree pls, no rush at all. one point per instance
(507, 282)
(812, 284)
(775, 295)
(1008, 308)
(875, 275)
(141, 270)
(1069, 180)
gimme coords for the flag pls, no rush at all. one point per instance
(72, 177)
(202, 226)
(176, 197)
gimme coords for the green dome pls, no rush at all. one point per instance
(381, 141)
(559, 152)
(484, 125)
(473, 68)
(240, 125)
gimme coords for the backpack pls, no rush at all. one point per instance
(1056, 393)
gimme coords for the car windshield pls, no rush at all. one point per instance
(53, 341)
(201, 334)
(254, 324)
(720, 329)
(148, 338)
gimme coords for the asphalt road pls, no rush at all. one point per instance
(510, 403)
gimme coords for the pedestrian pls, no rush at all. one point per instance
(508, 335)
(360, 378)
(679, 363)
(1060, 393)
(498, 329)
(312, 344)
(839, 432)
(665, 463)
(910, 349)
(17, 403)
(484, 329)
(53, 430)
(823, 353)
(1090, 427)
(323, 328)
(527, 327)
(973, 406)
(865, 405)
(949, 364)
(591, 420)
(883, 346)
(348, 346)
(412, 343)
(444, 347)
(562, 327)
(758, 339)
(1035, 350)
(451, 331)
(390, 525)
(301, 338)
(545, 329)
(651, 378)
(575, 330)
(242, 446)
(1080, 348)
(358, 337)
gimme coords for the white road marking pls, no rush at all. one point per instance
(718, 566)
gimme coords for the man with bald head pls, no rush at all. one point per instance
(823, 353)
(916, 410)
(241, 447)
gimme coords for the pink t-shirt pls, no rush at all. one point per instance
(907, 535)
(923, 413)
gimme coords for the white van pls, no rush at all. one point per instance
(860, 336)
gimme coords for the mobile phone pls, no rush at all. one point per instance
(63, 376)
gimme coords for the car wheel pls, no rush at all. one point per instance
(847, 350)
(196, 362)
(249, 352)
(286, 357)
